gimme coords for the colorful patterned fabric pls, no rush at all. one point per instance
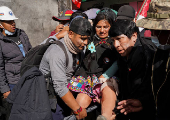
(90, 86)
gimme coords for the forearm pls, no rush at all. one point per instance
(4, 87)
(70, 101)
(111, 71)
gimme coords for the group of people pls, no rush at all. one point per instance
(108, 61)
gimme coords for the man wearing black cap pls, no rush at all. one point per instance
(126, 12)
(54, 61)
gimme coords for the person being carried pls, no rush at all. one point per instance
(91, 81)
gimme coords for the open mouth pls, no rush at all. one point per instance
(102, 34)
(120, 51)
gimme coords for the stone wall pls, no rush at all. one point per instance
(35, 16)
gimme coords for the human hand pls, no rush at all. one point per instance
(129, 105)
(59, 28)
(98, 100)
(5, 95)
(82, 114)
(61, 34)
(66, 28)
(113, 117)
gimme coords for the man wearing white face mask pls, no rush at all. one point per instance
(14, 44)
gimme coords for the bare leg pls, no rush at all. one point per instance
(108, 101)
(83, 100)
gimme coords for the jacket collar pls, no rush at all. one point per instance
(2, 37)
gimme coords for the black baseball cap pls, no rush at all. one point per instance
(126, 12)
(81, 26)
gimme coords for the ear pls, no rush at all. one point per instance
(134, 37)
(70, 34)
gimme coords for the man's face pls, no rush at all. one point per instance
(123, 44)
(8, 25)
(78, 40)
(163, 36)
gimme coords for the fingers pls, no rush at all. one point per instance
(130, 105)
(125, 110)
(59, 28)
(98, 100)
(122, 104)
(82, 114)
(5, 95)
(66, 28)
(127, 102)
(113, 117)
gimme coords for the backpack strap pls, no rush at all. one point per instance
(59, 44)
(62, 47)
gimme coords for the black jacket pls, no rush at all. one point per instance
(98, 62)
(161, 82)
(11, 58)
(30, 98)
(135, 80)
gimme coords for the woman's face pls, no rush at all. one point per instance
(8, 25)
(102, 29)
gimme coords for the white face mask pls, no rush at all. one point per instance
(155, 40)
(8, 32)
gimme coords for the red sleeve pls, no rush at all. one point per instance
(52, 33)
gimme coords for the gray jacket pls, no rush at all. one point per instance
(11, 59)
(54, 60)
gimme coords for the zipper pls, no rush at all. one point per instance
(18, 48)
(24, 45)
(156, 96)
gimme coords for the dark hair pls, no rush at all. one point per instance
(80, 26)
(101, 16)
(108, 12)
(126, 27)
(78, 13)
